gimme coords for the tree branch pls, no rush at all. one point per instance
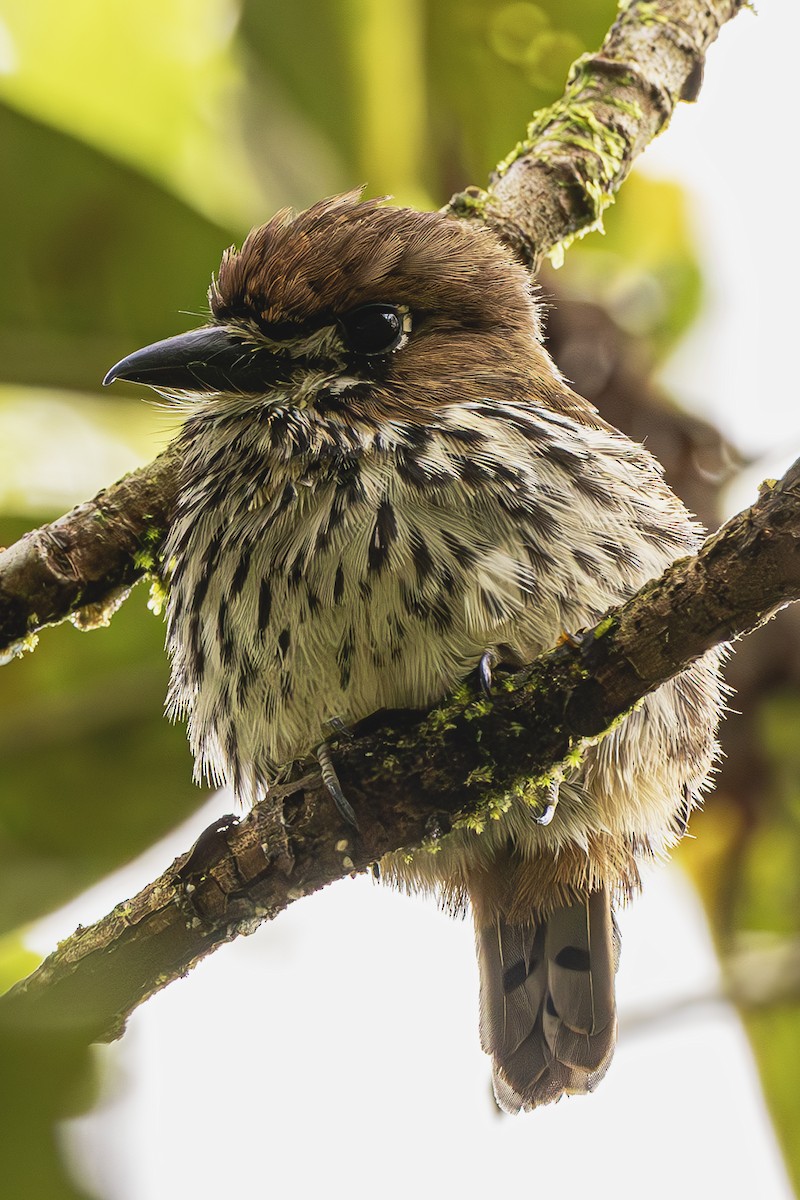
(553, 185)
(556, 183)
(417, 775)
(83, 565)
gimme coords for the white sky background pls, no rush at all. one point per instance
(337, 1050)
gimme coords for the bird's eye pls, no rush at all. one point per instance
(374, 328)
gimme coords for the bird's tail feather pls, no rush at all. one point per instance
(548, 1014)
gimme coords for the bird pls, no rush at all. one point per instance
(386, 486)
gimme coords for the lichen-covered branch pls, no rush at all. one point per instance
(82, 564)
(416, 775)
(556, 183)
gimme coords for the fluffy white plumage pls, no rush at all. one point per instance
(360, 520)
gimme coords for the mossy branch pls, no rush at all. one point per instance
(556, 183)
(82, 565)
(412, 778)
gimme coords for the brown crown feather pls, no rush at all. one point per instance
(344, 251)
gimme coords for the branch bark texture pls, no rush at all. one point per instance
(82, 565)
(416, 775)
(556, 183)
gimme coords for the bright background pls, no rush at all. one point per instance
(337, 1049)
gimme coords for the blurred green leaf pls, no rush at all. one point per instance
(151, 84)
(47, 1075)
(768, 898)
(490, 64)
(411, 106)
(775, 1036)
(58, 448)
(358, 83)
(97, 259)
(311, 73)
(92, 772)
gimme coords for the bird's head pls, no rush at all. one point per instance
(398, 310)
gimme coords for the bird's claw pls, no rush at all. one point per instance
(550, 804)
(575, 640)
(488, 661)
(331, 781)
(335, 727)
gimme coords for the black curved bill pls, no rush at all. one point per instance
(211, 359)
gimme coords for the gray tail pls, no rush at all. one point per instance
(548, 1014)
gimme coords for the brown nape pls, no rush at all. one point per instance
(529, 889)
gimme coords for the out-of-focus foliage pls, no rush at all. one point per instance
(96, 257)
(642, 270)
(47, 1078)
(744, 859)
(57, 447)
(136, 142)
(91, 774)
(490, 64)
